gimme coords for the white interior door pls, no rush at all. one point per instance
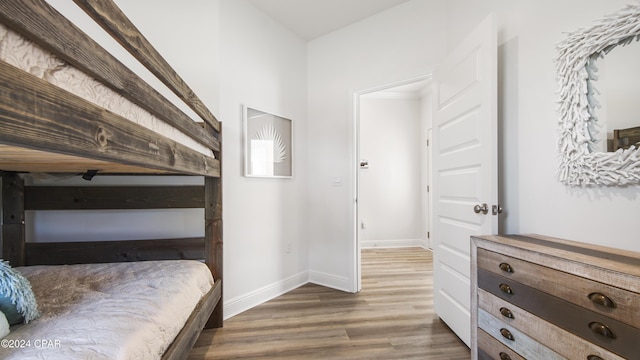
(465, 168)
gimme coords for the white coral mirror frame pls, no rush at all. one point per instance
(268, 145)
(580, 164)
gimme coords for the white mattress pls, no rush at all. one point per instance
(130, 310)
(25, 55)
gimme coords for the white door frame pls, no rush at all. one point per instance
(430, 185)
(355, 168)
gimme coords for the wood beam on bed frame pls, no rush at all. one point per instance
(20, 159)
(112, 197)
(42, 116)
(39, 22)
(181, 346)
(67, 253)
(108, 15)
(109, 197)
(12, 235)
(213, 239)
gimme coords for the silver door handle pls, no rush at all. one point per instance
(484, 208)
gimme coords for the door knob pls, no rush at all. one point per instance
(484, 208)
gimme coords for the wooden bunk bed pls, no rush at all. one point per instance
(46, 128)
(624, 138)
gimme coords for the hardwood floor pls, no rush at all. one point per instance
(391, 318)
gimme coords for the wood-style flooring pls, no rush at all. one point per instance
(391, 318)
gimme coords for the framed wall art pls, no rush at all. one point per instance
(268, 144)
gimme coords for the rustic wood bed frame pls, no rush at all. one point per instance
(624, 138)
(44, 128)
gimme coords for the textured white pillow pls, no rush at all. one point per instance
(4, 325)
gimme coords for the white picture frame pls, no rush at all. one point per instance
(268, 144)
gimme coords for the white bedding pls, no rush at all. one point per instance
(129, 310)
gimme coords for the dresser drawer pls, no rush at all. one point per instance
(607, 300)
(623, 338)
(515, 339)
(555, 338)
(491, 349)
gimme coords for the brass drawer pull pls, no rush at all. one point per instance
(594, 357)
(507, 334)
(506, 267)
(602, 300)
(602, 329)
(504, 356)
(506, 289)
(506, 313)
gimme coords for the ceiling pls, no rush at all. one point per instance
(310, 19)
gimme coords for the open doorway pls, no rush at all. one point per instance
(392, 127)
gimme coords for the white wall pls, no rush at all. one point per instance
(535, 201)
(263, 66)
(390, 192)
(395, 45)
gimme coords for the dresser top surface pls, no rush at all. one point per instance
(611, 258)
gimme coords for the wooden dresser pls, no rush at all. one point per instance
(535, 297)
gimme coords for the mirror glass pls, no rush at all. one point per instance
(618, 93)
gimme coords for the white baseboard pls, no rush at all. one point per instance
(331, 281)
(395, 243)
(235, 306)
(245, 302)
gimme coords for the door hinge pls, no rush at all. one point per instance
(427, 142)
(428, 188)
(428, 235)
